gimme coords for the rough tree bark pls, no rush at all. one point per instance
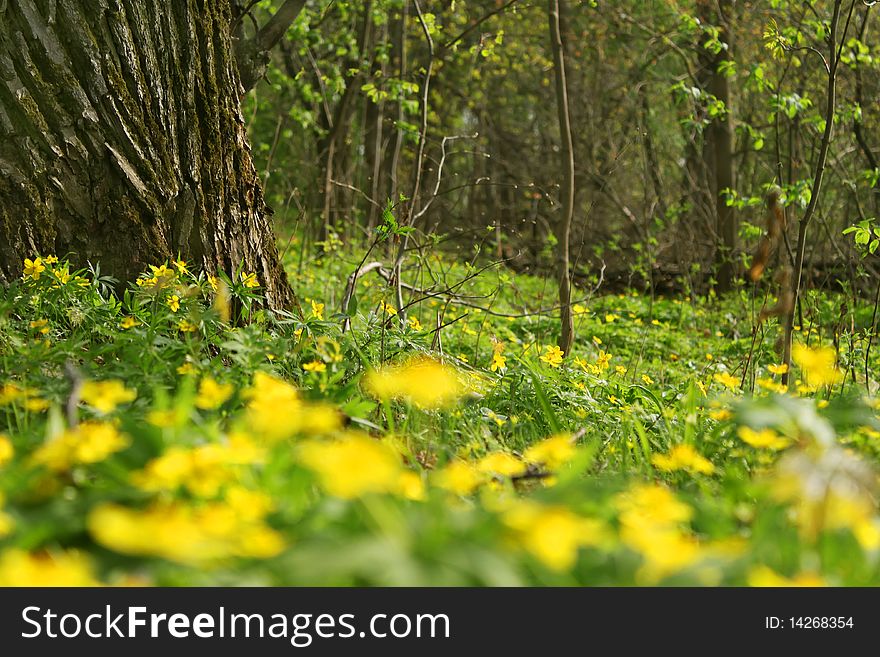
(563, 225)
(720, 141)
(122, 140)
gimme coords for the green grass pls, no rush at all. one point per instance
(296, 469)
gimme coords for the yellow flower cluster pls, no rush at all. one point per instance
(357, 465)
(88, 442)
(196, 535)
(425, 382)
(202, 470)
(275, 411)
(105, 396)
(683, 457)
(650, 523)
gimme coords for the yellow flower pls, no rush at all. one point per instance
(89, 442)
(683, 457)
(411, 485)
(51, 260)
(763, 438)
(425, 382)
(771, 385)
(41, 325)
(764, 576)
(650, 516)
(187, 326)
(315, 366)
(458, 477)
(162, 272)
(720, 414)
(317, 310)
(128, 322)
(552, 355)
(501, 463)
(33, 268)
(182, 533)
(275, 411)
(551, 452)
(620, 369)
(173, 302)
(552, 534)
(64, 568)
(203, 470)
(353, 466)
(249, 280)
(180, 265)
(778, 369)
(186, 368)
(647, 379)
(727, 380)
(819, 366)
(710, 357)
(610, 317)
(6, 451)
(387, 308)
(498, 362)
(596, 341)
(414, 323)
(106, 395)
(212, 394)
(603, 360)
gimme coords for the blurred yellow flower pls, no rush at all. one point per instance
(819, 366)
(501, 463)
(762, 576)
(61, 568)
(552, 534)
(353, 466)
(763, 438)
(202, 470)
(128, 322)
(192, 535)
(425, 382)
(778, 369)
(315, 366)
(647, 379)
(414, 323)
(459, 477)
(212, 394)
(771, 385)
(106, 395)
(89, 442)
(727, 380)
(6, 450)
(173, 302)
(387, 308)
(683, 457)
(552, 452)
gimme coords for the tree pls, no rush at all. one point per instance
(720, 139)
(122, 139)
(563, 225)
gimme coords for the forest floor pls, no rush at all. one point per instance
(159, 439)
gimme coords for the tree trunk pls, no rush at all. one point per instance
(720, 137)
(122, 141)
(563, 226)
